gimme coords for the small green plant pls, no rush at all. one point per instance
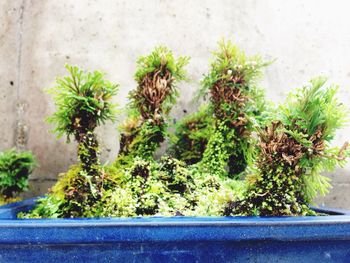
(167, 188)
(15, 168)
(83, 102)
(191, 136)
(157, 75)
(294, 150)
(236, 103)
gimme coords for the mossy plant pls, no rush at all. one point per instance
(15, 168)
(293, 151)
(148, 186)
(83, 101)
(191, 135)
(283, 151)
(236, 104)
(168, 188)
(157, 75)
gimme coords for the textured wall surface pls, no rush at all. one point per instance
(308, 38)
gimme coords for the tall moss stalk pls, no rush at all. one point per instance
(235, 102)
(156, 76)
(293, 151)
(83, 101)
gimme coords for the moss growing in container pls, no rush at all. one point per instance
(156, 187)
(293, 151)
(191, 135)
(83, 101)
(213, 146)
(145, 128)
(15, 168)
(235, 105)
(147, 186)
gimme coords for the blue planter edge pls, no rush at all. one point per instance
(336, 226)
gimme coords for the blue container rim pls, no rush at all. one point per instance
(168, 229)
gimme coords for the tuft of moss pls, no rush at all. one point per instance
(237, 104)
(166, 187)
(293, 151)
(191, 135)
(15, 168)
(157, 75)
(83, 101)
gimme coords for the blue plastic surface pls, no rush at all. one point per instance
(175, 239)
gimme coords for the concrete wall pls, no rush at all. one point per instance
(308, 38)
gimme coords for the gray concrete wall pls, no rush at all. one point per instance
(308, 38)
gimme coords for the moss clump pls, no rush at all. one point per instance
(165, 187)
(293, 151)
(83, 101)
(15, 168)
(148, 186)
(236, 103)
(212, 147)
(191, 136)
(156, 76)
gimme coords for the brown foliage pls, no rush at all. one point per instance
(278, 147)
(151, 93)
(229, 92)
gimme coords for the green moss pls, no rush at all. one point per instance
(211, 148)
(83, 101)
(294, 150)
(237, 104)
(167, 187)
(157, 76)
(15, 168)
(191, 135)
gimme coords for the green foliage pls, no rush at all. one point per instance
(82, 100)
(15, 168)
(160, 57)
(191, 136)
(315, 114)
(314, 109)
(166, 187)
(46, 207)
(147, 140)
(157, 75)
(211, 149)
(149, 187)
(237, 104)
(55, 204)
(216, 156)
(294, 150)
(145, 188)
(232, 66)
(74, 195)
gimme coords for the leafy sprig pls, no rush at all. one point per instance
(15, 168)
(82, 99)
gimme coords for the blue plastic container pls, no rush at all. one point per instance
(177, 239)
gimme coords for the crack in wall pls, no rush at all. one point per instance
(21, 132)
